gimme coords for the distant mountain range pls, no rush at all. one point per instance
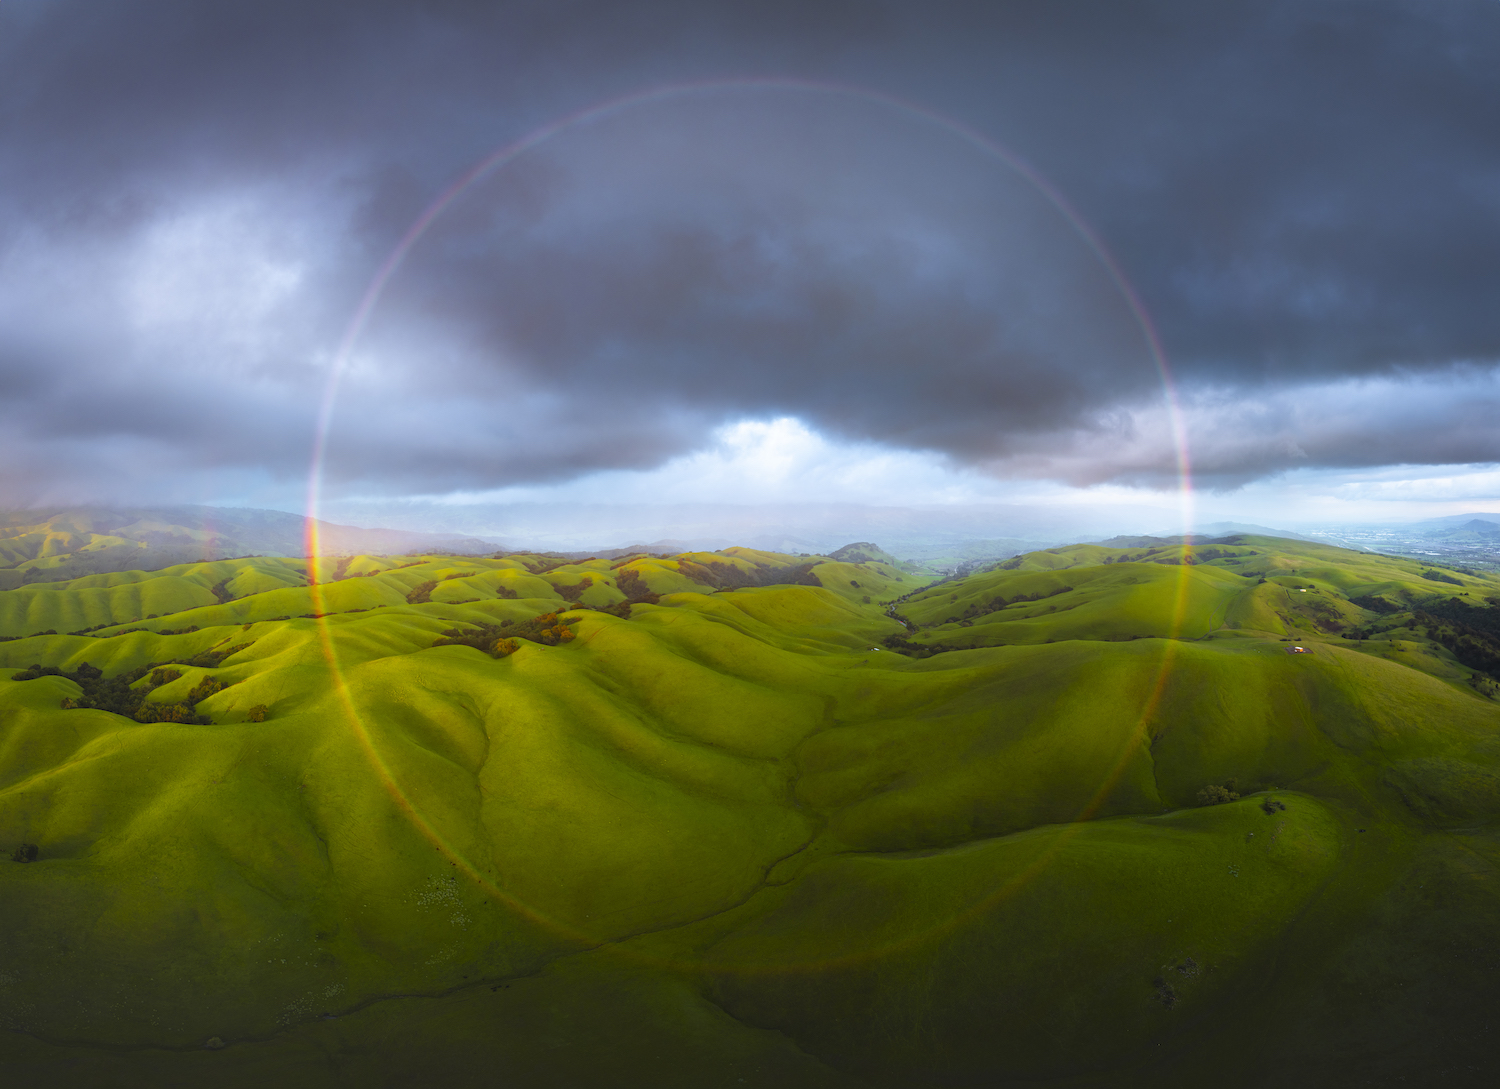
(936, 533)
(1213, 529)
(1474, 531)
(46, 545)
(1448, 521)
(68, 542)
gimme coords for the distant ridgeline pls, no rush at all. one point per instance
(749, 818)
(45, 546)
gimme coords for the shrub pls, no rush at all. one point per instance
(421, 593)
(24, 853)
(258, 713)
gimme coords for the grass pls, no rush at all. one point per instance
(724, 837)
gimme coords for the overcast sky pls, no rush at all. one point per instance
(779, 250)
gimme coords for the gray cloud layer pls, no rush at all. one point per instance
(193, 198)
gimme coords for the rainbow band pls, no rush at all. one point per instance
(509, 153)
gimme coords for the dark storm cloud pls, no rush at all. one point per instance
(193, 197)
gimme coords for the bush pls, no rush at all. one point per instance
(258, 713)
(24, 853)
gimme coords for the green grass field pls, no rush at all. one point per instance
(740, 825)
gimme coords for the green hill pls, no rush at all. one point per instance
(742, 818)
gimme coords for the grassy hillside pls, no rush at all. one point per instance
(742, 818)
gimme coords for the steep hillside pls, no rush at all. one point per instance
(743, 818)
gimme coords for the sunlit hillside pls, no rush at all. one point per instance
(1092, 817)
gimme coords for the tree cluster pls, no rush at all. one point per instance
(905, 646)
(501, 640)
(726, 576)
(995, 604)
(117, 696)
(571, 592)
(1473, 646)
(1375, 604)
(636, 592)
(1215, 794)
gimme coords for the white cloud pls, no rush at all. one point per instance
(771, 461)
(782, 460)
(216, 266)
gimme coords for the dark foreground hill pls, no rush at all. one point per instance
(746, 819)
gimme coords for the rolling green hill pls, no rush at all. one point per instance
(741, 818)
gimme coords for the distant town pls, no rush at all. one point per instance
(1473, 543)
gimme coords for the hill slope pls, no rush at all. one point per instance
(721, 818)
